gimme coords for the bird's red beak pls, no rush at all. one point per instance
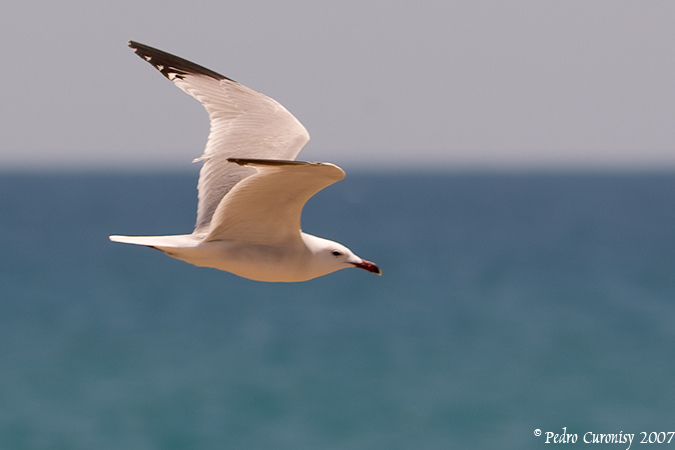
(369, 266)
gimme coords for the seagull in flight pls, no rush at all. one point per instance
(251, 189)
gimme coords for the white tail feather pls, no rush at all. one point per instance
(175, 241)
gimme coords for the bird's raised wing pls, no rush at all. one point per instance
(244, 124)
(265, 207)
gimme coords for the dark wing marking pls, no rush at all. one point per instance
(168, 64)
(267, 162)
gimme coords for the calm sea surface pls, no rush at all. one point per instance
(509, 303)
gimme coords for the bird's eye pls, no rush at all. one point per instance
(336, 253)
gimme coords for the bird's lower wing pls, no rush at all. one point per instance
(265, 208)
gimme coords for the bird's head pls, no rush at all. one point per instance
(329, 256)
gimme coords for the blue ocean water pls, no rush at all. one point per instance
(509, 303)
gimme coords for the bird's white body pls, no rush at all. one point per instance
(299, 261)
(251, 191)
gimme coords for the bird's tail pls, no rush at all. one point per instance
(158, 242)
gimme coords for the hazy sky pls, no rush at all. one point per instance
(441, 84)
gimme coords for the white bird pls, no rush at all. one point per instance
(251, 191)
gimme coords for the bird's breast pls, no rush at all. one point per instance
(253, 261)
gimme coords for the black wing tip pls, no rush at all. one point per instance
(169, 64)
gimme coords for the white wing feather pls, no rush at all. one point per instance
(244, 124)
(265, 208)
